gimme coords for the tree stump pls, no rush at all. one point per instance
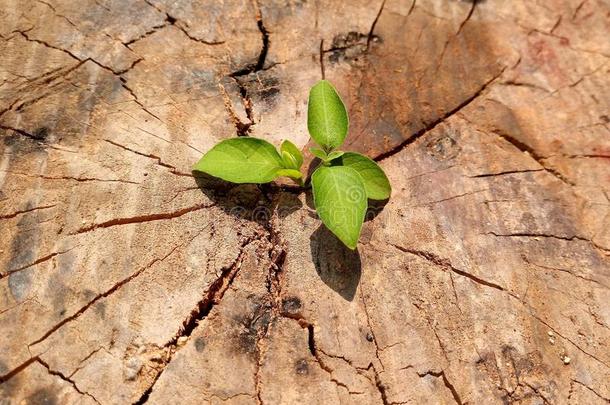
(126, 278)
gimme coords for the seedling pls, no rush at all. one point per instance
(342, 183)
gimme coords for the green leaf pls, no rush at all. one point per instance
(327, 120)
(376, 182)
(295, 174)
(319, 153)
(340, 199)
(334, 154)
(289, 161)
(291, 155)
(242, 160)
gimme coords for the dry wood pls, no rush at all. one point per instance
(484, 279)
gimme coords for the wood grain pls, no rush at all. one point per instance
(125, 279)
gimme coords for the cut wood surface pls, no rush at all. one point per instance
(125, 278)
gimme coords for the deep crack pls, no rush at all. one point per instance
(447, 383)
(243, 128)
(211, 297)
(262, 56)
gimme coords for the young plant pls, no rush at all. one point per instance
(342, 183)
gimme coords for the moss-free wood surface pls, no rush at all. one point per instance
(484, 279)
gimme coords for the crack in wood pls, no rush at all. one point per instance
(380, 386)
(446, 381)
(172, 20)
(429, 127)
(262, 56)
(34, 263)
(446, 264)
(503, 173)
(536, 265)
(315, 352)
(321, 59)
(65, 378)
(109, 292)
(544, 235)
(211, 298)
(371, 330)
(592, 390)
(19, 212)
(243, 128)
(143, 218)
(454, 197)
(12, 373)
(82, 60)
(71, 178)
(372, 30)
(523, 147)
(172, 169)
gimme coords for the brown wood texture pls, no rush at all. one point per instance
(125, 279)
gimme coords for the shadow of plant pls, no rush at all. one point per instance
(252, 202)
(338, 266)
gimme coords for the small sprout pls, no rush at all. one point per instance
(342, 184)
(319, 153)
(334, 155)
(291, 155)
